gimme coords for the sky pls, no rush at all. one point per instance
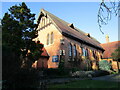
(82, 14)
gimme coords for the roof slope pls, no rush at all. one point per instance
(45, 54)
(110, 48)
(75, 33)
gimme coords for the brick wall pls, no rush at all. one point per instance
(54, 49)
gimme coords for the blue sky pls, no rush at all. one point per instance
(82, 14)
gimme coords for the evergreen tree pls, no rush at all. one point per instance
(116, 54)
(18, 31)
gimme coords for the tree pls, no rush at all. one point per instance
(106, 10)
(18, 31)
(116, 56)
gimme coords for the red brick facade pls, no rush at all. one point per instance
(63, 34)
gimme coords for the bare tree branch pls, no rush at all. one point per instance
(106, 10)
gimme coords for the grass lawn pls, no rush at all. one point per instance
(87, 84)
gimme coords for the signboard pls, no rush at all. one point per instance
(55, 58)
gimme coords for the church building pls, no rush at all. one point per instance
(63, 42)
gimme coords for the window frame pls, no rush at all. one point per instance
(48, 36)
(70, 50)
(52, 38)
(83, 51)
(74, 51)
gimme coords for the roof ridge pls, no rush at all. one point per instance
(64, 28)
(110, 42)
(54, 16)
(67, 23)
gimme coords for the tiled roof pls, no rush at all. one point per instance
(45, 54)
(66, 30)
(110, 48)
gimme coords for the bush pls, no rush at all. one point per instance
(104, 65)
(81, 74)
(86, 74)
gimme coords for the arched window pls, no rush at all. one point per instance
(70, 50)
(94, 54)
(86, 52)
(48, 39)
(52, 37)
(74, 51)
(83, 51)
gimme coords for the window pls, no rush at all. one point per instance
(74, 51)
(101, 56)
(94, 54)
(83, 51)
(86, 52)
(48, 39)
(80, 50)
(52, 37)
(70, 50)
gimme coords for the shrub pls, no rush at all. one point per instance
(104, 65)
(86, 74)
(81, 74)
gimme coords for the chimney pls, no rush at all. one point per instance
(107, 39)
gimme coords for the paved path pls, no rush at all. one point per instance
(114, 77)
